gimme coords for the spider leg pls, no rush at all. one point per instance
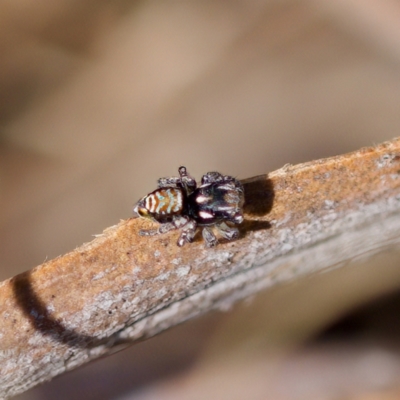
(227, 232)
(148, 232)
(163, 228)
(187, 181)
(177, 222)
(188, 232)
(171, 181)
(209, 237)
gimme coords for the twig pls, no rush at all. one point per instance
(122, 288)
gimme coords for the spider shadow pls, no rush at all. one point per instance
(259, 198)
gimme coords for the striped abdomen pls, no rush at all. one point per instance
(164, 202)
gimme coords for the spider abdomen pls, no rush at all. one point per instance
(165, 201)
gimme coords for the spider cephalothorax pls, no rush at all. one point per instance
(179, 203)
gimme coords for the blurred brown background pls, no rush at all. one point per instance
(98, 99)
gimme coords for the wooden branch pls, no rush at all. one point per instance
(122, 288)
